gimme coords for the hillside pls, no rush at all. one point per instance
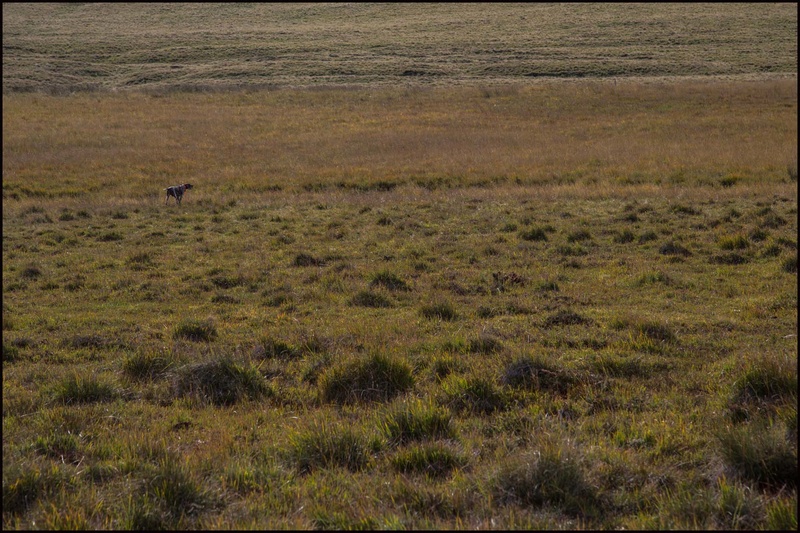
(68, 47)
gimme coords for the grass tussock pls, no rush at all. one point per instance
(442, 310)
(221, 382)
(418, 421)
(549, 476)
(148, 365)
(77, 389)
(434, 460)
(536, 374)
(196, 330)
(327, 446)
(370, 299)
(473, 395)
(390, 281)
(375, 378)
(759, 454)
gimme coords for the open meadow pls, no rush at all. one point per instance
(461, 300)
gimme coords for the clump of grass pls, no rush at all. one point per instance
(485, 344)
(572, 251)
(76, 389)
(760, 454)
(789, 265)
(433, 460)
(487, 312)
(439, 310)
(389, 281)
(326, 446)
(503, 280)
(60, 445)
(764, 382)
(533, 234)
(673, 248)
(758, 235)
(376, 378)
(444, 366)
(306, 260)
(550, 476)
(771, 250)
(536, 374)
(565, 318)
(508, 227)
(656, 331)
(473, 395)
(684, 210)
(227, 282)
(31, 271)
(791, 171)
(76, 283)
(370, 299)
(145, 514)
(10, 353)
(140, 261)
(773, 221)
(339, 521)
(270, 348)
(653, 277)
(173, 487)
(147, 365)
(85, 341)
(782, 514)
(728, 259)
(647, 236)
(110, 236)
(547, 286)
(196, 330)
(22, 488)
(623, 237)
(223, 299)
(736, 242)
(618, 366)
(221, 382)
(416, 421)
(579, 236)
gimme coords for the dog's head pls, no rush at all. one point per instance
(187, 186)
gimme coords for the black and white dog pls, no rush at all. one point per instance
(176, 191)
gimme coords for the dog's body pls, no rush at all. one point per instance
(176, 191)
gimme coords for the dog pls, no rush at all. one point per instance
(176, 191)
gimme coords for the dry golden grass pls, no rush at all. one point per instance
(598, 134)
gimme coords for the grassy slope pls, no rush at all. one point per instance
(634, 246)
(65, 47)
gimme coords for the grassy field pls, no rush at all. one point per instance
(467, 300)
(64, 47)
